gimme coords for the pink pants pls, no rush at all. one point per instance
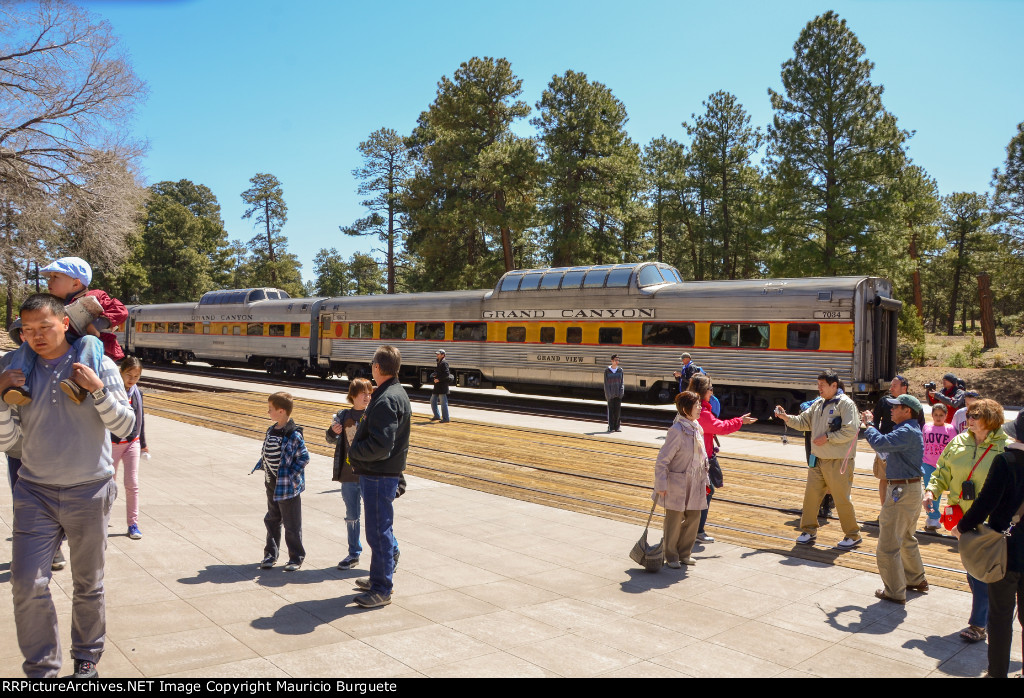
(129, 453)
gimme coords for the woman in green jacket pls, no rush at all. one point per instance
(973, 450)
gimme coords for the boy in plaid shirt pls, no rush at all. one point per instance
(283, 462)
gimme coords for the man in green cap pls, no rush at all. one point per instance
(897, 554)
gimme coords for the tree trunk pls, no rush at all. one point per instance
(988, 321)
(918, 300)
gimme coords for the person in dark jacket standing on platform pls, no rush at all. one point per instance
(897, 554)
(614, 389)
(441, 377)
(378, 454)
(687, 371)
(998, 500)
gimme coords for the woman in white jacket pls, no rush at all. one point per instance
(681, 481)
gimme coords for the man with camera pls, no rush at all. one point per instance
(897, 554)
(951, 395)
(832, 420)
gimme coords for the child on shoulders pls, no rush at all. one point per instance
(90, 312)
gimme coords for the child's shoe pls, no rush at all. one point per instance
(17, 396)
(73, 390)
(82, 312)
(134, 533)
(268, 562)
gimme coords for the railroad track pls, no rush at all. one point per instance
(603, 477)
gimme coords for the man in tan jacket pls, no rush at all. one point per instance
(832, 420)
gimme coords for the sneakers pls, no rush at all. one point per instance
(268, 562)
(394, 568)
(932, 525)
(349, 562)
(674, 564)
(372, 600)
(58, 561)
(805, 539)
(85, 670)
(363, 583)
(73, 390)
(705, 538)
(17, 397)
(848, 543)
(292, 566)
(134, 533)
(689, 561)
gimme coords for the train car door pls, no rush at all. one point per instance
(320, 338)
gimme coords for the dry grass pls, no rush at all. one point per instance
(995, 373)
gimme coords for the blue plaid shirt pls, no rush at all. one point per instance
(291, 476)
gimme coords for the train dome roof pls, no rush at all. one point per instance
(596, 276)
(242, 295)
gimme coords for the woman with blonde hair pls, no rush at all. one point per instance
(962, 469)
(681, 481)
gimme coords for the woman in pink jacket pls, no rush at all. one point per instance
(712, 426)
(681, 480)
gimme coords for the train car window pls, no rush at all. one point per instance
(174, 328)
(430, 331)
(547, 335)
(724, 335)
(159, 327)
(595, 278)
(530, 282)
(257, 295)
(188, 328)
(254, 329)
(275, 330)
(393, 330)
(146, 327)
(803, 336)
(573, 278)
(754, 336)
(224, 329)
(236, 330)
(574, 335)
(296, 329)
(609, 335)
(238, 297)
(515, 334)
(206, 328)
(649, 276)
(671, 275)
(469, 331)
(511, 282)
(360, 330)
(619, 278)
(550, 281)
(677, 334)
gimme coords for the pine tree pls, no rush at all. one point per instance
(271, 264)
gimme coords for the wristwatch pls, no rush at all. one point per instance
(99, 394)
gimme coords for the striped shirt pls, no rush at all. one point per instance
(271, 454)
(64, 444)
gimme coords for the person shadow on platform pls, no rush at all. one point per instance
(641, 581)
(303, 617)
(275, 577)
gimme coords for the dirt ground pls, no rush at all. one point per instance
(997, 373)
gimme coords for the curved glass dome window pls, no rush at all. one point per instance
(550, 281)
(530, 282)
(573, 277)
(619, 277)
(671, 275)
(511, 282)
(257, 295)
(649, 276)
(596, 276)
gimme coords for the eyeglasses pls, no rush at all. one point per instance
(974, 416)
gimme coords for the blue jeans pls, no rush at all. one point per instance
(979, 602)
(350, 495)
(378, 493)
(88, 351)
(926, 472)
(444, 406)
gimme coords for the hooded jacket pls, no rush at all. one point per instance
(958, 459)
(291, 473)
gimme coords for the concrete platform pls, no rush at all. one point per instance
(487, 586)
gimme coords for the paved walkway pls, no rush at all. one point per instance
(487, 586)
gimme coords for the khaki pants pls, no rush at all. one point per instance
(680, 533)
(826, 476)
(897, 554)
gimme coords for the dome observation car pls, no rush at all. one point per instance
(601, 276)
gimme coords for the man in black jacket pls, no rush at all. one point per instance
(440, 394)
(378, 454)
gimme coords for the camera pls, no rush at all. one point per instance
(929, 386)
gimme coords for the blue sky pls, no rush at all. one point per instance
(291, 88)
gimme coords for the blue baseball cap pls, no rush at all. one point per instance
(75, 267)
